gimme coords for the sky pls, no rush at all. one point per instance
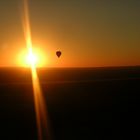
(90, 33)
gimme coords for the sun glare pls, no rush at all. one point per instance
(34, 58)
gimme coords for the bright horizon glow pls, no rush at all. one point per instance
(33, 56)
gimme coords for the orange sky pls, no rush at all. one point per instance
(89, 33)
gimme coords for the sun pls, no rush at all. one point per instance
(33, 58)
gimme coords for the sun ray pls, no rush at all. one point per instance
(40, 108)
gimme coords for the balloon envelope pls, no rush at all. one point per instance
(58, 53)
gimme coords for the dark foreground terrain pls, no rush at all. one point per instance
(83, 103)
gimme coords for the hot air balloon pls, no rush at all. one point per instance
(58, 53)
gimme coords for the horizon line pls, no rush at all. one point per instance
(117, 66)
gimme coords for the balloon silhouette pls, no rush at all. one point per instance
(58, 53)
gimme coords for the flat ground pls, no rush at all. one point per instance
(83, 103)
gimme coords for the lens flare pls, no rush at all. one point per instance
(40, 107)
